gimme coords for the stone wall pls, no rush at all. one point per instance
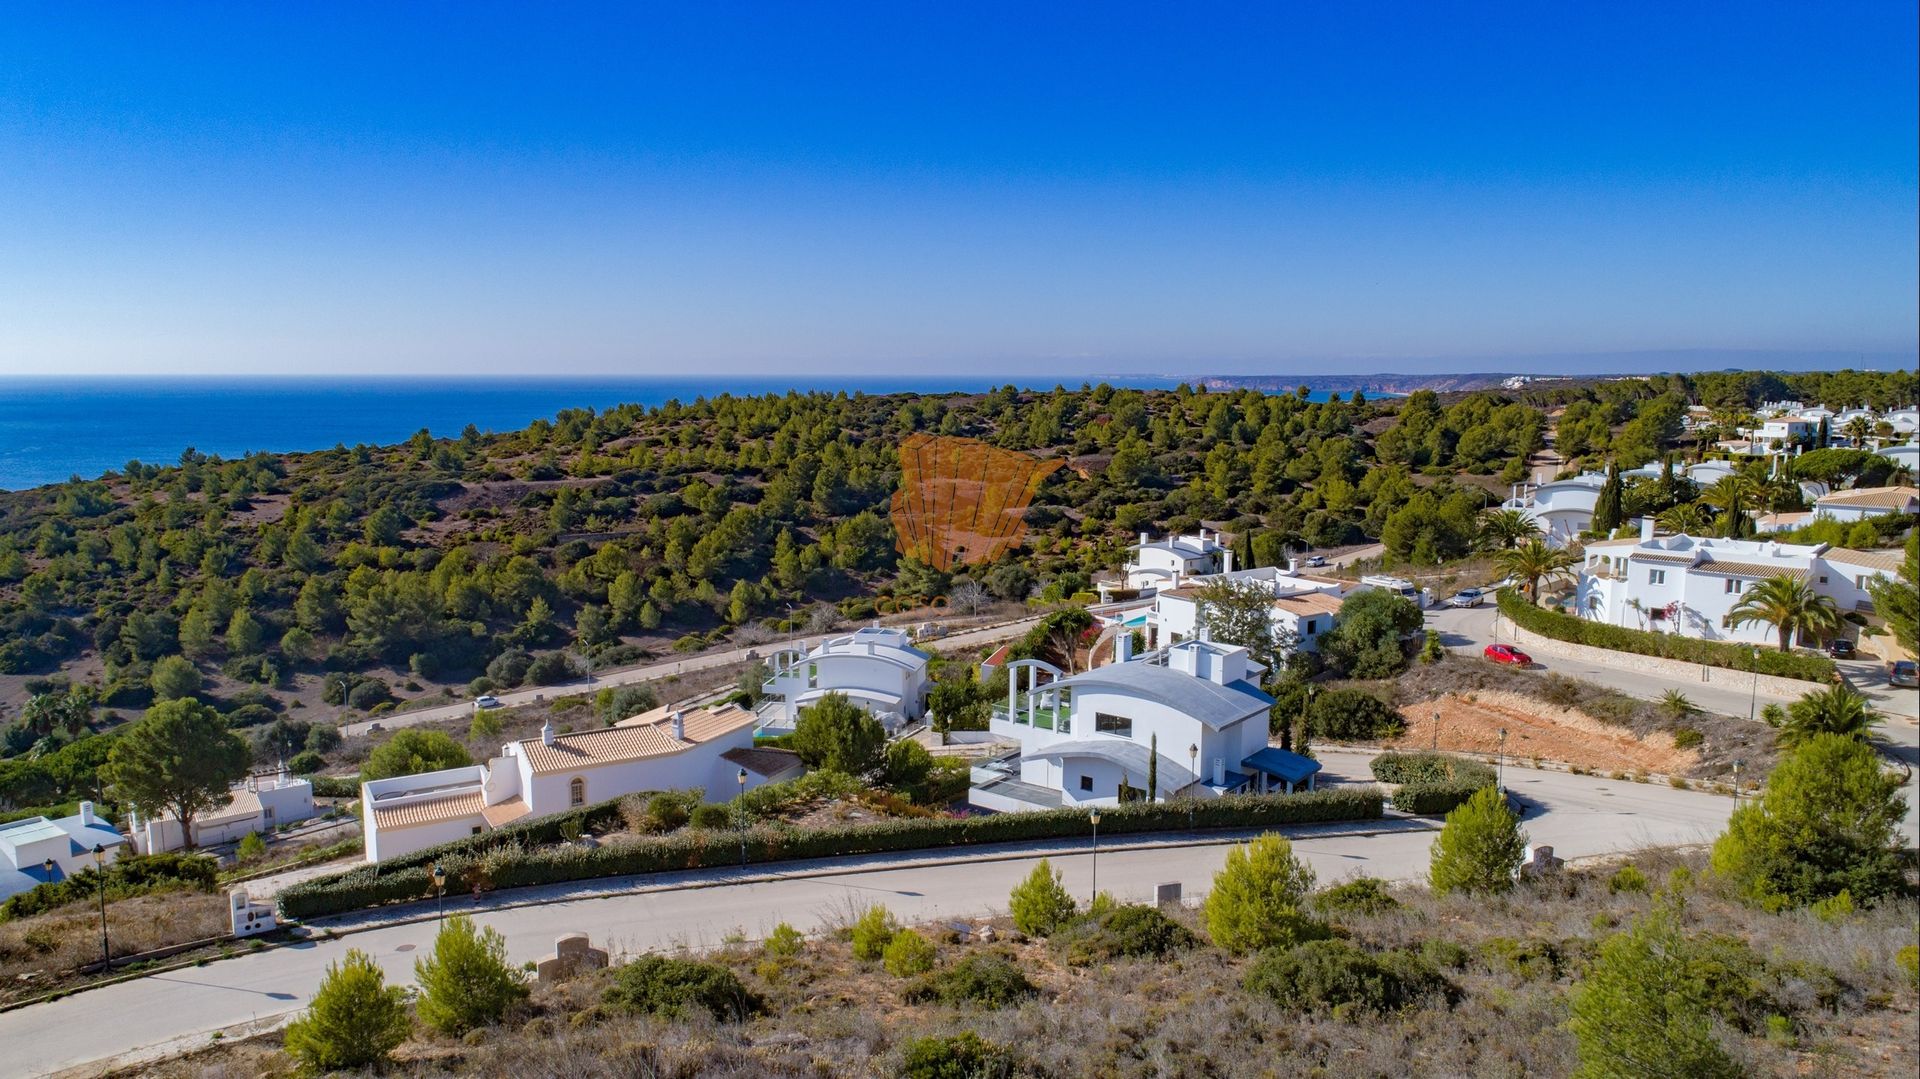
(1772, 687)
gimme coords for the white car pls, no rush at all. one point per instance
(487, 701)
(1315, 560)
(1466, 597)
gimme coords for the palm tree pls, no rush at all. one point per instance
(1790, 605)
(1732, 494)
(1502, 529)
(1834, 710)
(1687, 518)
(1533, 562)
(1857, 431)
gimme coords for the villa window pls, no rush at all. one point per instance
(1310, 628)
(1656, 576)
(1860, 582)
(577, 792)
(1106, 724)
(1086, 783)
(1733, 587)
(813, 676)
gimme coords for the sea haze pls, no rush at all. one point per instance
(51, 430)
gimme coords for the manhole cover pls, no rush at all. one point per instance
(404, 948)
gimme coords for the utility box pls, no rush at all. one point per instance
(248, 918)
(1167, 895)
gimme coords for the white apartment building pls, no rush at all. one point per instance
(259, 804)
(1304, 606)
(707, 749)
(1091, 739)
(876, 668)
(1690, 586)
(1165, 563)
(37, 851)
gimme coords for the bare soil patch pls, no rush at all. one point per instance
(1472, 723)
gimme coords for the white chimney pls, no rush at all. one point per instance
(1646, 529)
(546, 733)
(1219, 771)
(1226, 561)
(1123, 646)
(1293, 567)
(679, 726)
(86, 814)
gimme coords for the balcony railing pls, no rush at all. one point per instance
(1044, 718)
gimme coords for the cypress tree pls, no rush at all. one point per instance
(1607, 509)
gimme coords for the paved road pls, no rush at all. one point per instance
(1580, 816)
(652, 672)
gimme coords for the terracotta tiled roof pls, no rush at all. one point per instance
(449, 807)
(1893, 498)
(763, 762)
(1183, 592)
(1310, 603)
(611, 745)
(1751, 569)
(1661, 556)
(1627, 542)
(1782, 520)
(506, 812)
(1886, 560)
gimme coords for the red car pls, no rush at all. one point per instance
(1506, 653)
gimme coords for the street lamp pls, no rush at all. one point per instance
(1754, 699)
(1094, 817)
(1193, 790)
(100, 871)
(1500, 775)
(1737, 762)
(439, 892)
(741, 817)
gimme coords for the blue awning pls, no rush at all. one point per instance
(1284, 765)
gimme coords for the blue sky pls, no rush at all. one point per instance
(480, 189)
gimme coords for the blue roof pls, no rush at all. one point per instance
(1282, 764)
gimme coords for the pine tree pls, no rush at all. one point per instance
(1258, 898)
(1040, 904)
(355, 1020)
(1480, 848)
(465, 981)
(1643, 1008)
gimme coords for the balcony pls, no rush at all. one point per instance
(1044, 718)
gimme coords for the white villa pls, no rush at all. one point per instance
(1158, 564)
(878, 669)
(39, 851)
(1304, 607)
(710, 749)
(1560, 509)
(1689, 586)
(1090, 739)
(1861, 503)
(260, 804)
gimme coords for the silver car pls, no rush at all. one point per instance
(1466, 597)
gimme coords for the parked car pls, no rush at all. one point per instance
(1466, 597)
(1315, 560)
(487, 700)
(1840, 648)
(1506, 653)
(1903, 673)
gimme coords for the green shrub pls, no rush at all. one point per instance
(1126, 932)
(306, 762)
(1431, 783)
(134, 874)
(986, 979)
(1040, 904)
(712, 815)
(1334, 975)
(335, 786)
(965, 1055)
(1626, 879)
(1908, 960)
(1643, 1009)
(783, 942)
(908, 954)
(1739, 657)
(1257, 898)
(251, 846)
(1362, 895)
(873, 932)
(1687, 737)
(465, 981)
(660, 985)
(410, 752)
(355, 1020)
(1353, 715)
(1479, 849)
(517, 856)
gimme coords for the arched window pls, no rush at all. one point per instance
(577, 792)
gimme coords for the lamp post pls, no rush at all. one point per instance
(741, 817)
(1094, 818)
(439, 892)
(1500, 773)
(1754, 699)
(100, 871)
(1193, 791)
(1737, 762)
(1436, 730)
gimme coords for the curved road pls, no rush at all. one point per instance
(1580, 816)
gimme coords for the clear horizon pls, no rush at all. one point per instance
(503, 192)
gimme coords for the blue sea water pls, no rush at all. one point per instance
(53, 429)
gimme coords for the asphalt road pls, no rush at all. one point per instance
(652, 672)
(1579, 816)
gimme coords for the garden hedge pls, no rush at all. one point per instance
(501, 863)
(1431, 783)
(1738, 657)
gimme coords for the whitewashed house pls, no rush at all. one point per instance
(1690, 586)
(876, 668)
(1560, 509)
(37, 850)
(1090, 739)
(261, 803)
(1858, 504)
(706, 749)
(1165, 563)
(1304, 606)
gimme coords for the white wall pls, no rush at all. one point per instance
(384, 843)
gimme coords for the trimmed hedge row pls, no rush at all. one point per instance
(501, 866)
(1737, 657)
(1431, 783)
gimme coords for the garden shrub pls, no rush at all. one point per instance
(1257, 898)
(1127, 932)
(908, 953)
(1626, 879)
(987, 979)
(664, 986)
(355, 1020)
(1431, 783)
(306, 762)
(873, 932)
(1336, 976)
(965, 1055)
(134, 874)
(1739, 657)
(465, 981)
(251, 846)
(1040, 904)
(1353, 715)
(1479, 849)
(1362, 895)
(711, 815)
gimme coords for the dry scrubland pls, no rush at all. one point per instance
(1810, 997)
(38, 953)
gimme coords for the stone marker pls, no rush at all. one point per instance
(572, 953)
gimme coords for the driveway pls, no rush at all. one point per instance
(1580, 816)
